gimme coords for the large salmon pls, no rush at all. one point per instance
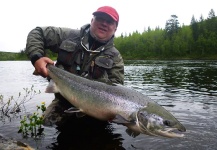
(113, 102)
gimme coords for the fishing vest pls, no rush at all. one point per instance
(74, 58)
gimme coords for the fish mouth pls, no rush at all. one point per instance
(158, 125)
(165, 132)
(170, 133)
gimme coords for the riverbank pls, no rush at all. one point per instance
(12, 56)
(5, 56)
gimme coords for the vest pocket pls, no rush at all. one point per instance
(104, 62)
(66, 52)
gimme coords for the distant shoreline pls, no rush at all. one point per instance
(15, 56)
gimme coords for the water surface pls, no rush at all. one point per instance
(188, 89)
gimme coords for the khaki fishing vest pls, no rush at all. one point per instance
(74, 58)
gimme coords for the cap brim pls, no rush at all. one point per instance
(99, 12)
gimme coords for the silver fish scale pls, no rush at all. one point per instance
(102, 97)
(113, 102)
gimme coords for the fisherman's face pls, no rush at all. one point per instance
(103, 27)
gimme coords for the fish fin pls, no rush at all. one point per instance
(72, 110)
(132, 133)
(120, 120)
(80, 114)
(52, 88)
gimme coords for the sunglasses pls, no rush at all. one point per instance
(103, 19)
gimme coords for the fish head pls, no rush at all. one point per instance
(157, 121)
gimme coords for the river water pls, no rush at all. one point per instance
(188, 89)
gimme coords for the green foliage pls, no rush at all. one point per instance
(172, 26)
(196, 41)
(23, 56)
(50, 54)
(13, 56)
(33, 123)
(12, 106)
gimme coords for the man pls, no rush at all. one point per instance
(88, 52)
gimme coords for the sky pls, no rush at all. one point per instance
(19, 17)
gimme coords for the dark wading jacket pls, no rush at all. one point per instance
(104, 63)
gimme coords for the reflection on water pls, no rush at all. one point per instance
(87, 133)
(188, 89)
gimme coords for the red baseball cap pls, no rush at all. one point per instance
(109, 11)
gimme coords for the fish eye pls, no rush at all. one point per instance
(144, 114)
(167, 122)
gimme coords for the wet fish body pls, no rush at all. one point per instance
(113, 102)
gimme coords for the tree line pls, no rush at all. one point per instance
(195, 41)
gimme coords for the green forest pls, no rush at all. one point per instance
(195, 41)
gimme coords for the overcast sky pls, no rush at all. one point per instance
(18, 17)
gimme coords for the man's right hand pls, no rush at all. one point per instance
(40, 66)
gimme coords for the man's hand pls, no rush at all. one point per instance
(40, 66)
